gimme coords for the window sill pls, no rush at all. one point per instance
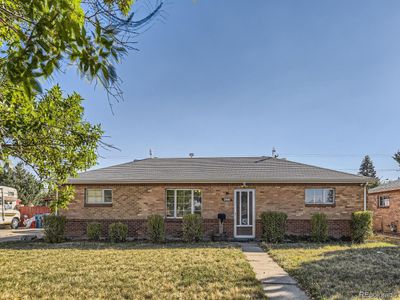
(321, 205)
(383, 206)
(175, 218)
(98, 205)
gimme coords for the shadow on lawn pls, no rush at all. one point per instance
(357, 272)
(205, 272)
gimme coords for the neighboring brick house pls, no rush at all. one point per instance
(240, 187)
(384, 201)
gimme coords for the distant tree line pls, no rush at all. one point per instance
(367, 168)
(29, 188)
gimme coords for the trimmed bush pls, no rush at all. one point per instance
(93, 231)
(117, 232)
(192, 228)
(156, 228)
(54, 228)
(273, 226)
(319, 228)
(361, 226)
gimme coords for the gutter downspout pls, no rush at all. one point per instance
(365, 196)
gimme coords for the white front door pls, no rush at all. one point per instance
(244, 213)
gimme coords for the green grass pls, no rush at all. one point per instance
(342, 271)
(130, 271)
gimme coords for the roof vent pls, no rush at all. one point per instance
(274, 153)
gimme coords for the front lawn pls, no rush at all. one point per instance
(130, 271)
(343, 271)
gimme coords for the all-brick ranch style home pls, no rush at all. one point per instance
(240, 187)
(384, 201)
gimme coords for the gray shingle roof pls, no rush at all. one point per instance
(215, 169)
(386, 187)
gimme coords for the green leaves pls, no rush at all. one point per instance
(35, 85)
(41, 34)
(123, 5)
(396, 157)
(62, 196)
(29, 188)
(49, 133)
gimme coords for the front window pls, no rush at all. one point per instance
(183, 202)
(98, 196)
(384, 201)
(320, 196)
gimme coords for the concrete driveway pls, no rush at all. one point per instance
(23, 234)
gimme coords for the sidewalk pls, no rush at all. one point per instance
(276, 282)
(23, 234)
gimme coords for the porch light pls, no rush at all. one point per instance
(226, 198)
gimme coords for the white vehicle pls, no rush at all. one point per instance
(9, 215)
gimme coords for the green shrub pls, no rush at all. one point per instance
(93, 231)
(54, 228)
(117, 232)
(192, 228)
(361, 226)
(156, 228)
(319, 228)
(273, 226)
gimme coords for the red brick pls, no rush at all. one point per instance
(133, 203)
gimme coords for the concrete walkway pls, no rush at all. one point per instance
(276, 282)
(22, 234)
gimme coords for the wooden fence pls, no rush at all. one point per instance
(30, 211)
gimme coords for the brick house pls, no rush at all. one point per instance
(384, 201)
(239, 187)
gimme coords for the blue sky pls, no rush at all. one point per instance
(319, 80)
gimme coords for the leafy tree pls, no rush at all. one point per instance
(37, 37)
(46, 131)
(61, 197)
(396, 157)
(48, 134)
(367, 169)
(29, 188)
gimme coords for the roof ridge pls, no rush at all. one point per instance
(165, 158)
(326, 169)
(206, 157)
(245, 168)
(117, 165)
(383, 186)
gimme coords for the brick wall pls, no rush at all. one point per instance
(133, 203)
(384, 216)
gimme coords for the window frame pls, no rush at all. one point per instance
(103, 203)
(324, 189)
(192, 208)
(381, 197)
